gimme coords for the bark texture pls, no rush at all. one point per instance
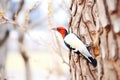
(96, 22)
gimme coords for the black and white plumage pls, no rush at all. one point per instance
(73, 42)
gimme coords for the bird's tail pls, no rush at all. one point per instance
(93, 61)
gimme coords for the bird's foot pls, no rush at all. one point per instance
(89, 46)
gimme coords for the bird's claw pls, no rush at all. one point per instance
(89, 46)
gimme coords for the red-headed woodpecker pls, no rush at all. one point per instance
(72, 41)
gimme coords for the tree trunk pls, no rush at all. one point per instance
(97, 22)
(4, 34)
(24, 54)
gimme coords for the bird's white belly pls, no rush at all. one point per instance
(77, 44)
(73, 41)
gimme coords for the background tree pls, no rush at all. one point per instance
(25, 23)
(9, 13)
(96, 21)
(4, 34)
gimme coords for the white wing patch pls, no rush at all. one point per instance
(76, 43)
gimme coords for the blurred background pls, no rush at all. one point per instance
(29, 49)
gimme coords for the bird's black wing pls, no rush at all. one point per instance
(68, 45)
(74, 50)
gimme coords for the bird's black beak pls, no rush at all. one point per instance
(54, 29)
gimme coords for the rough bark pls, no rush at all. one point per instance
(97, 22)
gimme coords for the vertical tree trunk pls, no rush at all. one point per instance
(4, 34)
(96, 21)
(24, 54)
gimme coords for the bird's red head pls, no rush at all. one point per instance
(61, 30)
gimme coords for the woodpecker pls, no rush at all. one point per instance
(73, 42)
